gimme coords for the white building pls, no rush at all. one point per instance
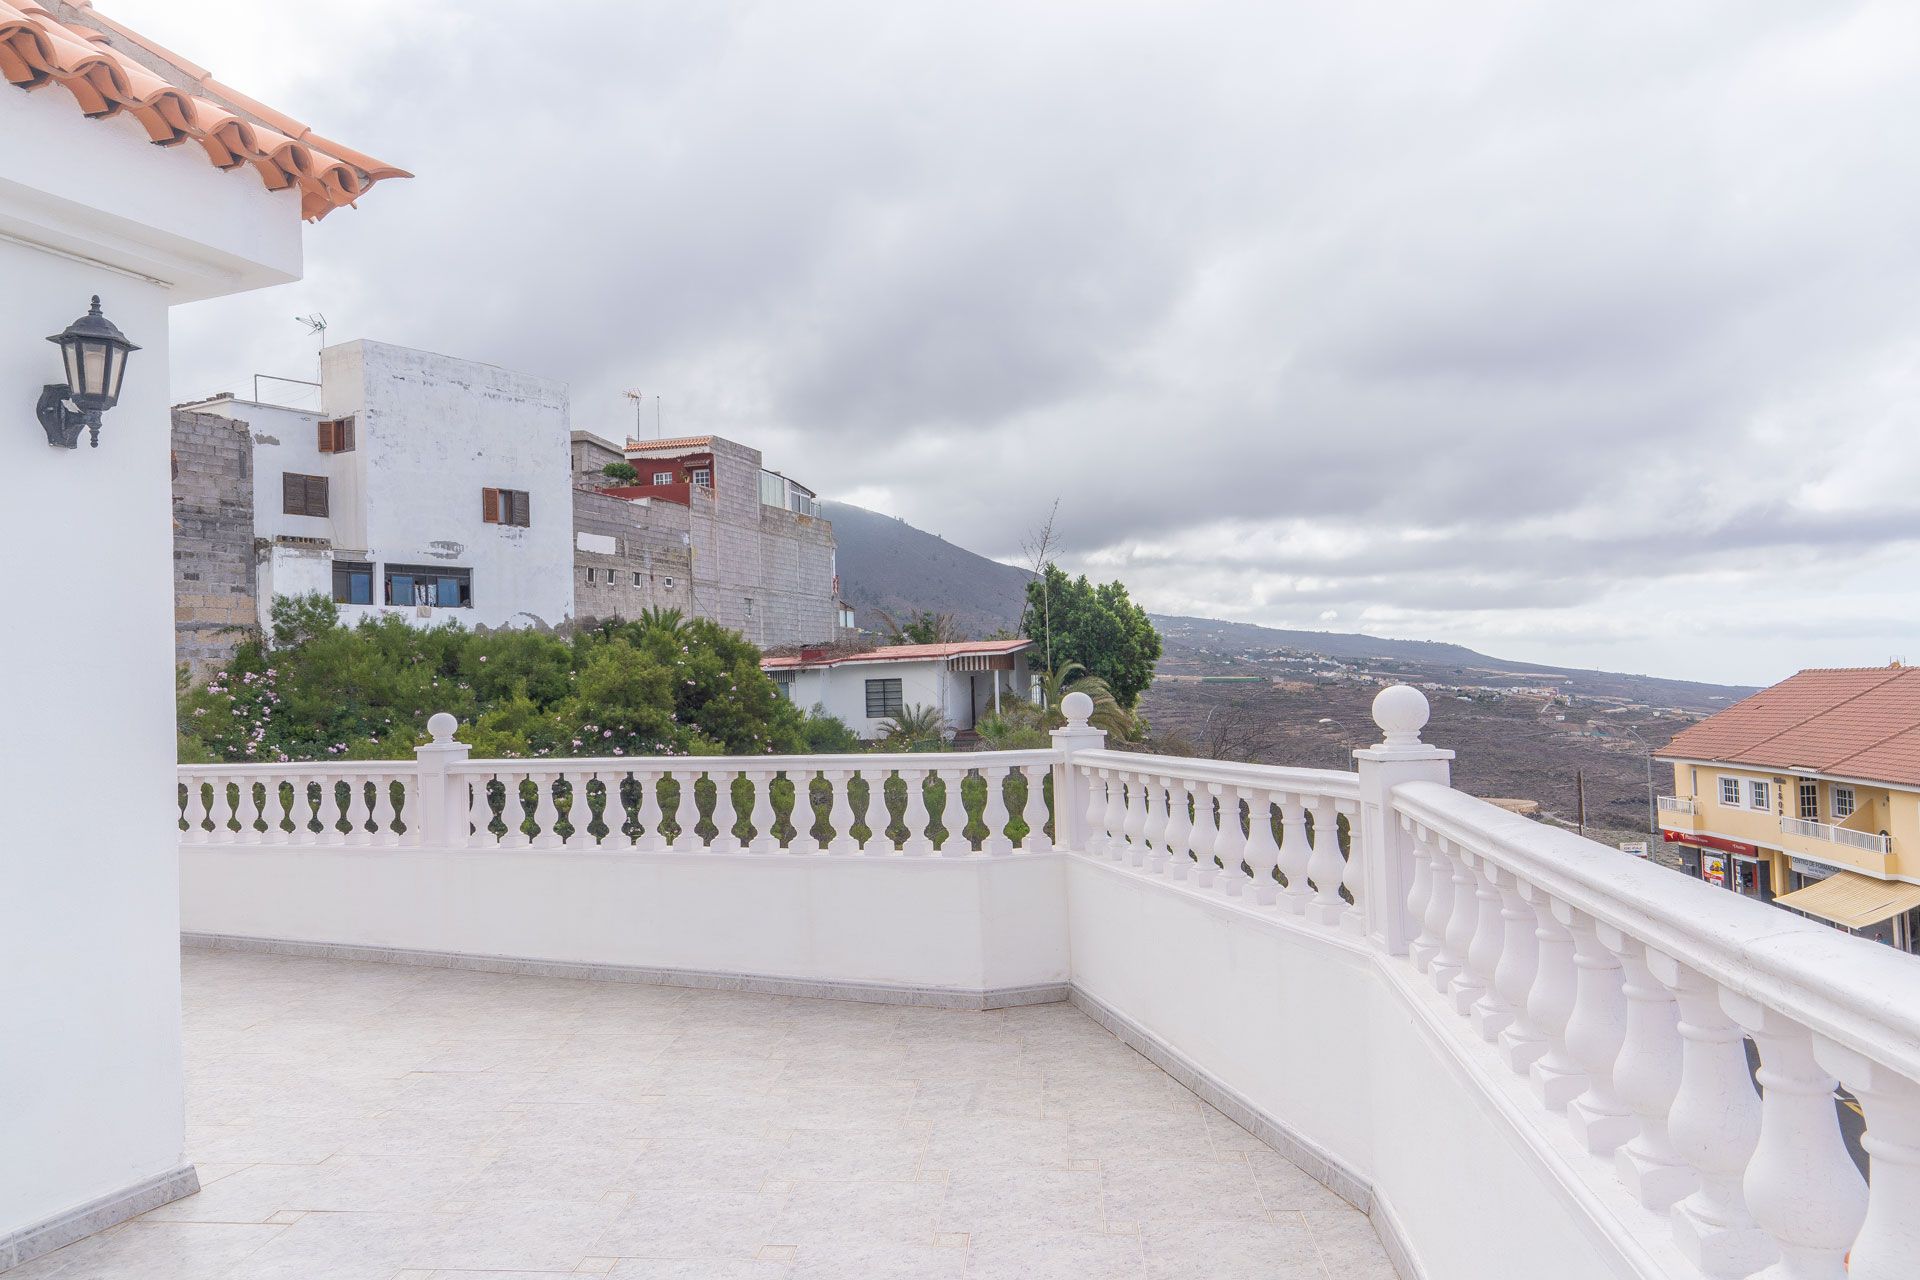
(967, 680)
(91, 1114)
(424, 486)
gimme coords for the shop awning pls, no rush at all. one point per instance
(1853, 901)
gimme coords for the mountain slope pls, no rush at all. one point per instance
(887, 564)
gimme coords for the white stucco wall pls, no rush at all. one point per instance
(841, 690)
(433, 432)
(90, 1063)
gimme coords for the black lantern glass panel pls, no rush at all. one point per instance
(94, 353)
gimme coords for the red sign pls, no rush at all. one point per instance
(1710, 842)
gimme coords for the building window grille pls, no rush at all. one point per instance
(749, 606)
(1843, 803)
(303, 495)
(883, 698)
(431, 586)
(1730, 792)
(703, 476)
(785, 685)
(1809, 799)
(352, 582)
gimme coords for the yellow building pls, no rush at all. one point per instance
(1808, 794)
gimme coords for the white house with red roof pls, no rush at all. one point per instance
(967, 680)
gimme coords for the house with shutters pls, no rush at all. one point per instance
(421, 486)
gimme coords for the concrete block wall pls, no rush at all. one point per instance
(213, 554)
(649, 566)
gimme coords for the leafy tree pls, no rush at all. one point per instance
(921, 627)
(656, 686)
(1099, 628)
(621, 472)
(1108, 715)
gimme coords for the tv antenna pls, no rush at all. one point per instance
(317, 326)
(639, 413)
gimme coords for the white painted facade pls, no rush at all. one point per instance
(90, 1062)
(431, 433)
(840, 687)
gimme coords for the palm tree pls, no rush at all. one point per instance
(1108, 715)
(915, 728)
(668, 620)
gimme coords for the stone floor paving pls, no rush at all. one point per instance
(378, 1122)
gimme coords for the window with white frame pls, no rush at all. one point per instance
(1844, 803)
(1730, 792)
(1809, 799)
(663, 477)
(1759, 794)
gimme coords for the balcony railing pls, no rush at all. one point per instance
(1810, 830)
(1368, 969)
(1676, 804)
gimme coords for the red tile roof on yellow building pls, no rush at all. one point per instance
(1850, 722)
(110, 69)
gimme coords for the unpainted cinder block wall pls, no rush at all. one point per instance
(213, 555)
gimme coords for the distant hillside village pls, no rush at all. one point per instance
(435, 489)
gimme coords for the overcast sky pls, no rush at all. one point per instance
(1577, 333)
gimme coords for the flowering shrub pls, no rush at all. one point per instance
(657, 686)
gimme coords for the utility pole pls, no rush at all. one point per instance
(1580, 800)
(1653, 814)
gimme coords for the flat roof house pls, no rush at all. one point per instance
(1808, 794)
(966, 680)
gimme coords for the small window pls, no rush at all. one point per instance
(303, 495)
(1843, 803)
(505, 506)
(703, 476)
(663, 477)
(336, 435)
(1809, 799)
(749, 606)
(1759, 795)
(669, 584)
(589, 575)
(352, 582)
(785, 686)
(1730, 792)
(430, 585)
(883, 698)
(636, 578)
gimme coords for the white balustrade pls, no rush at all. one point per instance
(1623, 993)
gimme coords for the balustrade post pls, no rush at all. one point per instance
(1714, 1124)
(1325, 867)
(762, 815)
(1229, 841)
(1801, 1185)
(1070, 789)
(1483, 1004)
(1557, 1078)
(442, 800)
(1647, 1076)
(1179, 827)
(1520, 1041)
(1888, 1245)
(1383, 846)
(1293, 856)
(1596, 1028)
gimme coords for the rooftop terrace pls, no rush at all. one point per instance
(357, 1120)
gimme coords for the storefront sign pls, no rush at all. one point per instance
(1711, 842)
(1713, 868)
(1811, 870)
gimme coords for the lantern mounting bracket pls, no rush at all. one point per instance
(63, 424)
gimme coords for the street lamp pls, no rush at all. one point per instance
(95, 354)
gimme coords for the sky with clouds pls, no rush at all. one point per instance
(1578, 333)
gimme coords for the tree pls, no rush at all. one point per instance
(1039, 547)
(921, 627)
(1108, 716)
(916, 728)
(1099, 628)
(621, 472)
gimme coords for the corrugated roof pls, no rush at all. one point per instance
(901, 653)
(1853, 901)
(110, 69)
(1856, 722)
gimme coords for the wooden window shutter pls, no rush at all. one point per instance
(343, 435)
(490, 505)
(293, 494)
(316, 495)
(326, 436)
(521, 513)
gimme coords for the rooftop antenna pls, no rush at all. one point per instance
(638, 400)
(317, 326)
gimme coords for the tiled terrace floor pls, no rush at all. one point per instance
(368, 1122)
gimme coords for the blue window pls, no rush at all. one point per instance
(436, 588)
(352, 582)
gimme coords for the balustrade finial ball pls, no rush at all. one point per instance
(441, 725)
(1401, 712)
(1077, 707)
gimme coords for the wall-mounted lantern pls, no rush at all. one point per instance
(95, 353)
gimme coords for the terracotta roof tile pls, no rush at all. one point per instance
(1857, 722)
(676, 442)
(85, 57)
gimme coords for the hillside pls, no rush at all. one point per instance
(887, 564)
